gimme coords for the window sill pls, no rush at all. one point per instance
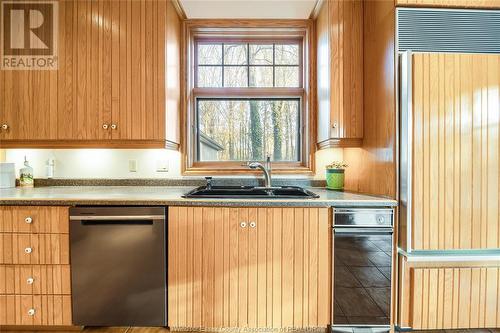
(231, 170)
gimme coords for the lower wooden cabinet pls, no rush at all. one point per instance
(249, 267)
(34, 248)
(449, 295)
(35, 310)
(35, 282)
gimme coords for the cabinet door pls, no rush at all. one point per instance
(455, 151)
(459, 295)
(339, 30)
(29, 100)
(249, 267)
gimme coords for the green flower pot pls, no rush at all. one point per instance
(335, 179)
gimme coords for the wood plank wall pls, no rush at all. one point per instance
(373, 166)
(456, 117)
(450, 3)
(273, 275)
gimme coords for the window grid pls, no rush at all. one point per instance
(222, 66)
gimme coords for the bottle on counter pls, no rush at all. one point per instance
(26, 175)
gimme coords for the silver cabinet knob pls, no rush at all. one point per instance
(30, 280)
(31, 312)
(243, 224)
(334, 125)
(113, 126)
(105, 126)
(5, 126)
(28, 250)
(380, 219)
(28, 220)
(253, 224)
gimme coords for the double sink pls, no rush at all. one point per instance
(249, 192)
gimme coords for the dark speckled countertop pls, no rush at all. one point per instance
(171, 196)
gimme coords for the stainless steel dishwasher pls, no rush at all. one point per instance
(118, 266)
(362, 267)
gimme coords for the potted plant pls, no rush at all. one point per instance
(335, 175)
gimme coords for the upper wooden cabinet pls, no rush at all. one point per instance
(339, 33)
(117, 82)
(249, 267)
(450, 3)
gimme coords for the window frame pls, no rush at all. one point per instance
(254, 31)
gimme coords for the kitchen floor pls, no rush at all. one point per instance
(164, 330)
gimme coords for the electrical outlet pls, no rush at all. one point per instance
(132, 165)
(162, 166)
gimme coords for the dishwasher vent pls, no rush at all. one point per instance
(448, 30)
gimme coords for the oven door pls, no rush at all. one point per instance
(362, 277)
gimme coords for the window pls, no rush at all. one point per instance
(247, 99)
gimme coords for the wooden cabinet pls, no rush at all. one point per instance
(249, 267)
(456, 125)
(450, 3)
(35, 282)
(449, 295)
(339, 34)
(116, 84)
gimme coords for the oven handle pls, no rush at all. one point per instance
(363, 231)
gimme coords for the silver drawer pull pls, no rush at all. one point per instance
(30, 280)
(253, 224)
(28, 250)
(243, 224)
(28, 220)
(31, 312)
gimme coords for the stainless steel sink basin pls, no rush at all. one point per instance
(282, 192)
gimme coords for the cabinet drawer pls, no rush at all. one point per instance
(33, 249)
(35, 310)
(30, 219)
(35, 280)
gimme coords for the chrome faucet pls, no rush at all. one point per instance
(265, 169)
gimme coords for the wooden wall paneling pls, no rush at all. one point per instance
(449, 297)
(374, 163)
(450, 3)
(52, 310)
(47, 280)
(246, 276)
(456, 123)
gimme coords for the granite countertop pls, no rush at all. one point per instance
(171, 196)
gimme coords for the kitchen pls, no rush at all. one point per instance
(273, 165)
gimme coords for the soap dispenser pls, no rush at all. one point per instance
(26, 175)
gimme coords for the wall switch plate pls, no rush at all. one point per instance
(162, 166)
(132, 165)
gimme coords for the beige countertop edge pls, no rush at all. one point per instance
(172, 196)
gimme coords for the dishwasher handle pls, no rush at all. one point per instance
(363, 231)
(115, 217)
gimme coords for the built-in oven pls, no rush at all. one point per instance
(362, 265)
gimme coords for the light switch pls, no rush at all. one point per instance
(132, 165)
(162, 165)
